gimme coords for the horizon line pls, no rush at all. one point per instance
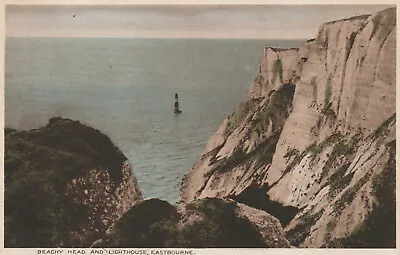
(207, 38)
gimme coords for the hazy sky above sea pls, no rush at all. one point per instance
(268, 21)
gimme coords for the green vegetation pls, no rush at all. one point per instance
(313, 149)
(293, 163)
(383, 127)
(329, 228)
(328, 90)
(342, 148)
(299, 233)
(314, 84)
(265, 151)
(238, 157)
(154, 223)
(328, 111)
(291, 152)
(239, 114)
(277, 110)
(350, 194)
(384, 22)
(38, 165)
(332, 139)
(277, 69)
(349, 44)
(379, 229)
(296, 160)
(261, 156)
(338, 181)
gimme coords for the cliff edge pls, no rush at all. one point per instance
(314, 142)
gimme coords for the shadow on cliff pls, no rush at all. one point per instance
(257, 197)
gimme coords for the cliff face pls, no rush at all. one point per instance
(65, 184)
(315, 135)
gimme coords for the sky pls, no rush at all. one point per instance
(255, 22)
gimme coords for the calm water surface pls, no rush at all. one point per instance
(126, 87)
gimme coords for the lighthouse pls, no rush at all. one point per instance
(177, 104)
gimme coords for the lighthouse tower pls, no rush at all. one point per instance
(177, 104)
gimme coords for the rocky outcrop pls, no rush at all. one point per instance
(204, 223)
(269, 226)
(65, 184)
(315, 134)
(107, 201)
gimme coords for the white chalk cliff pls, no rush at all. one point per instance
(316, 133)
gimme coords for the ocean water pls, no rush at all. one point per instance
(126, 87)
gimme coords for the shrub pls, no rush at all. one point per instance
(383, 127)
(329, 228)
(299, 233)
(338, 181)
(349, 44)
(239, 114)
(291, 152)
(238, 157)
(343, 148)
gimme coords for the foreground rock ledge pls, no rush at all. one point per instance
(204, 223)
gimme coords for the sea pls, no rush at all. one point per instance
(125, 87)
